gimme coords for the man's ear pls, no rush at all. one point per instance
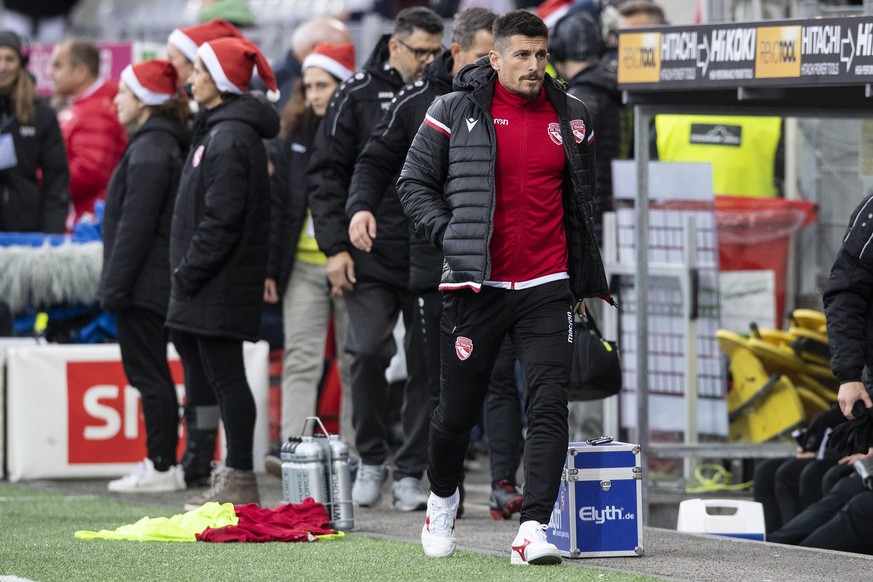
(494, 57)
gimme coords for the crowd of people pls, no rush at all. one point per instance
(458, 189)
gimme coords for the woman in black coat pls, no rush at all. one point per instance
(218, 250)
(135, 282)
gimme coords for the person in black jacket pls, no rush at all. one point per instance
(848, 310)
(501, 176)
(34, 175)
(218, 250)
(374, 284)
(297, 270)
(577, 51)
(135, 282)
(376, 169)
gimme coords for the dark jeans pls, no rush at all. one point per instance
(850, 530)
(785, 487)
(373, 310)
(539, 322)
(142, 338)
(214, 367)
(818, 514)
(503, 417)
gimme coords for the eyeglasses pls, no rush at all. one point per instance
(422, 54)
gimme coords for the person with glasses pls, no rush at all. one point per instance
(375, 284)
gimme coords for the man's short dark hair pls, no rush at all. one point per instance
(418, 17)
(518, 22)
(468, 23)
(633, 7)
(82, 52)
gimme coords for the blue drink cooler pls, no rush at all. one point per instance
(597, 512)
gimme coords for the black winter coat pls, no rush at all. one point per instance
(355, 108)
(848, 298)
(597, 87)
(26, 205)
(137, 218)
(218, 246)
(379, 164)
(447, 183)
(289, 201)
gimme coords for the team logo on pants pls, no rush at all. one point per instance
(463, 347)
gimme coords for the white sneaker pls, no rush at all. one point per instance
(438, 533)
(145, 478)
(531, 547)
(407, 495)
(367, 490)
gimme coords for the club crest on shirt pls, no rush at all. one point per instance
(463, 347)
(577, 126)
(555, 133)
(198, 155)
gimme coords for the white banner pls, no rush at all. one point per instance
(72, 413)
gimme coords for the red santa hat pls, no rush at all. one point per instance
(551, 11)
(231, 63)
(188, 39)
(336, 59)
(153, 82)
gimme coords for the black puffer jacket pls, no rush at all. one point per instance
(138, 215)
(289, 201)
(218, 248)
(447, 183)
(355, 108)
(26, 203)
(597, 87)
(379, 164)
(848, 298)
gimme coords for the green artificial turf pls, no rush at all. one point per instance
(37, 543)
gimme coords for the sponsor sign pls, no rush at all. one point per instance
(829, 51)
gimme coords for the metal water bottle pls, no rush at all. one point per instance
(341, 511)
(288, 474)
(309, 469)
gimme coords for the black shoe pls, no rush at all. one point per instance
(505, 500)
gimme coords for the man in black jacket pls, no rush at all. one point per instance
(501, 177)
(377, 167)
(374, 284)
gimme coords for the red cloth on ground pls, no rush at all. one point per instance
(292, 522)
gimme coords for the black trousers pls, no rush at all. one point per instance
(142, 338)
(785, 487)
(214, 369)
(539, 321)
(373, 310)
(850, 530)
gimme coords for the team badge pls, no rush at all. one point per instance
(555, 133)
(463, 347)
(577, 126)
(198, 155)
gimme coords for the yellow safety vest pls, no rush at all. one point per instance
(742, 150)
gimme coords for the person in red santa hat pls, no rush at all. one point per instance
(182, 44)
(135, 283)
(297, 269)
(218, 250)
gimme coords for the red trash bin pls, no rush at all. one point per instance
(754, 234)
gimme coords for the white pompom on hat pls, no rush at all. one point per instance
(336, 59)
(231, 63)
(153, 82)
(188, 39)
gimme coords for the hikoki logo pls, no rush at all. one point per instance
(198, 155)
(463, 347)
(601, 516)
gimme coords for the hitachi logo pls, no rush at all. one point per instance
(600, 516)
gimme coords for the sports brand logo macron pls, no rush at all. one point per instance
(463, 347)
(601, 516)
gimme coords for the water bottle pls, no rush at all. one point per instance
(288, 473)
(341, 509)
(308, 467)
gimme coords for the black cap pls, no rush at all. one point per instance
(11, 40)
(576, 37)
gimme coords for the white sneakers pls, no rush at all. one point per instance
(407, 495)
(367, 490)
(531, 547)
(438, 533)
(146, 479)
